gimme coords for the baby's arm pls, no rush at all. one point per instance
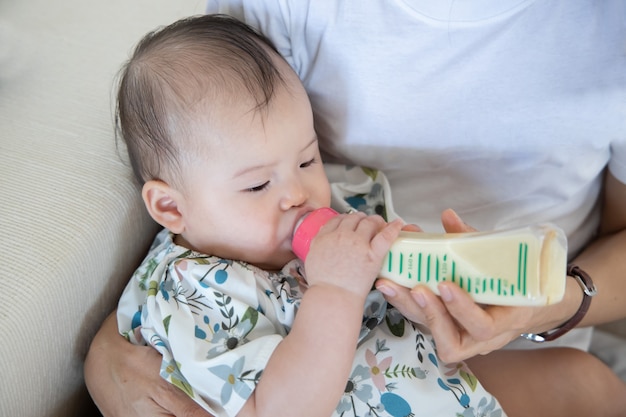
(307, 372)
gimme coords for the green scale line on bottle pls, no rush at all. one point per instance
(426, 269)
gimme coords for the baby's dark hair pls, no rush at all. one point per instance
(196, 59)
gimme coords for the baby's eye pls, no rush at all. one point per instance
(258, 188)
(308, 163)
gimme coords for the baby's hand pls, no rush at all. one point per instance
(349, 250)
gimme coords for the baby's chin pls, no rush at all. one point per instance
(276, 263)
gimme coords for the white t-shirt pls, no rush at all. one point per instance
(507, 111)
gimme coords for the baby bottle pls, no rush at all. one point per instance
(517, 267)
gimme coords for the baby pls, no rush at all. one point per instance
(220, 133)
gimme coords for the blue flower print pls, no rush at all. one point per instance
(165, 288)
(457, 389)
(224, 340)
(396, 405)
(233, 381)
(358, 202)
(453, 385)
(357, 388)
(484, 409)
(221, 276)
(136, 320)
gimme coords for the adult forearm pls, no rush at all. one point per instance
(605, 262)
(605, 259)
(123, 379)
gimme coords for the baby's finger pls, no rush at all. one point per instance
(383, 240)
(348, 221)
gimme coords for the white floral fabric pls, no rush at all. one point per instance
(217, 322)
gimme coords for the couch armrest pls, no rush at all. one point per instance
(73, 225)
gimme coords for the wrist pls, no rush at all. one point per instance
(579, 296)
(333, 293)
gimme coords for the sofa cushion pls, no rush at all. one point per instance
(73, 225)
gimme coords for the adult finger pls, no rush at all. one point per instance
(461, 328)
(487, 322)
(400, 297)
(411, 228)
(177, 403)
(452, 223)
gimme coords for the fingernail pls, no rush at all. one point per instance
(419, 299)
(388, 291)
(445, 293)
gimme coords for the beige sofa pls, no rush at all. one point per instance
(73, 225)
(73, 228)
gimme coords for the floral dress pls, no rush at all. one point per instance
(217, 321)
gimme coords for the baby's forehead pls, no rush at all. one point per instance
(217, 121)
(219, 107)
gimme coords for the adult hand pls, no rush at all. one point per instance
(123, 379)
(461, 328)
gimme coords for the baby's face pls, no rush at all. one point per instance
(245, 194)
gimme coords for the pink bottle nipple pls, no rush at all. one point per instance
(308, 228)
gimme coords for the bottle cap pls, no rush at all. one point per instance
(308, 228)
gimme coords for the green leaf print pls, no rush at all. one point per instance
(147, 273)
(183, 385)
(252, 315)
(370, 172)
(396, 328)
(166, 324)
(471, 380)
(403, 371)
(186, 254)
(153, 288)
(171, 371)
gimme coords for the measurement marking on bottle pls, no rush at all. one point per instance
(522, 264)
(424, 267)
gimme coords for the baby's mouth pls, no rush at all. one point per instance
(298, 223)
(307, 227)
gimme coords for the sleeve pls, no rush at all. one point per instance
(205, 318)
(270, 17)
(617, 164)
(129, 306)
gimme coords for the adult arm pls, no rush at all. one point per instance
(462, 329)
(123, 379)
(604, 258)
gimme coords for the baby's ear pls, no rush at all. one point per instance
(162, 202)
